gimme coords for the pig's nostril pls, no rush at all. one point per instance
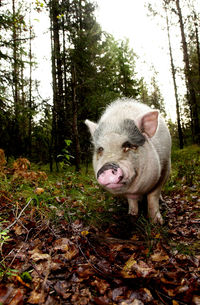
(120, 178)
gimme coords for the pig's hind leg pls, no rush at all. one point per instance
(153, 206)
(154, 196)
(133, 206)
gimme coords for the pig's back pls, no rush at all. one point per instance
(123, 109)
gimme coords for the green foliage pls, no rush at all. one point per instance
(4, 238)
(151, 95)
(65, 156)
(26, 277)
(185, 169)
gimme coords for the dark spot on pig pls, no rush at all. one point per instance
(129, 128)
(127, 146)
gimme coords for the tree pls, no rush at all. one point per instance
(190, 86)
(127, 82)
(151, 95)
(58, 123)
(173, 70)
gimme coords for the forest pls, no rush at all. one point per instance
(89, 70)
(63, 239)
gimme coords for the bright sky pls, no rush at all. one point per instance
(128, 18)
(123, 19)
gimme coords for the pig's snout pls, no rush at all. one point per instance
(110, 175)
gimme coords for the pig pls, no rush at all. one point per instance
(132, 153)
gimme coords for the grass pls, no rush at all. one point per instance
(78, 196)
(185, 171)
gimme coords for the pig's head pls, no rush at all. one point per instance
(121, 149)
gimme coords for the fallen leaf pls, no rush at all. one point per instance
(143, 294)
(159, 257)
(62, 244)
(39, 191)
(118, 293)
(67, 247)
(102, 285)
(37, 297)
(196, 299)
(133, 269)
(84, 271)
(37, 255)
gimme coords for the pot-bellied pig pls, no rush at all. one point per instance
(132, 148)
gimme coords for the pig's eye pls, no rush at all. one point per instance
(128, 146)
(100, 150)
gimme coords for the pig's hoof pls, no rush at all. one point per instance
(158, 219)
(133, 213)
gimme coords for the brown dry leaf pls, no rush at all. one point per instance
(159, 254)
(159, 257)
(62, 244)
(37, 255)
(2, 159)
(135, 302)
(10, 295)
(18, 298)
(102, 285)
(118, 293)
(39, 191)
(143, 295)
(85, 271)
(42, 267)
(67, 247)
(19, 230)
(82, 297)
(196, 299)
(175, 302)
(133, 269)
(21, 164)
(127, 270)
(62, 289)
(103, 300)
(36, 297)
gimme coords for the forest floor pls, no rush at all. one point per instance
(63, 240)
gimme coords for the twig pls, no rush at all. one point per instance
(112, 240)
(24, 208)
(44, 284)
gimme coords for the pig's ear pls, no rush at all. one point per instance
(148, 123)
(91, 125)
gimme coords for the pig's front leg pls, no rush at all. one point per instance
(153, 206)
(133, 206)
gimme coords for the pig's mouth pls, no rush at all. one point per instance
(114, 186)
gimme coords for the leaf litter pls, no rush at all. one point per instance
(69, 262)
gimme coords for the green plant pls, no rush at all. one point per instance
(3, 234)
(26, 277)
(65, 156)
(5, 271)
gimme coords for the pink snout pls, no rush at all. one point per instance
(110, 176)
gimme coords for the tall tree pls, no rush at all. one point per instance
(190, 86)
(173, 70)
(58, 99)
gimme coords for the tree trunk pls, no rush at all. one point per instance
(180, 133)
(75, 119)
(190, 86)
(30, 90)
(53, 143)
(15, 75)
(58, 124)
(197, 43)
